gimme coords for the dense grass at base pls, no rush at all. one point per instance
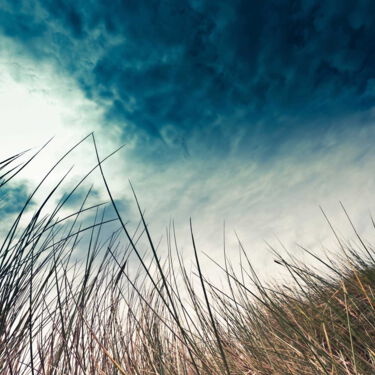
(123, 310)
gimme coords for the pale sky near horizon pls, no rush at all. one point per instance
(251, 113)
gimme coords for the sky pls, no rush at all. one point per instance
(255, 113)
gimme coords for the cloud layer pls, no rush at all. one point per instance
(178, 77)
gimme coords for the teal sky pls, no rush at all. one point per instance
(255, 112)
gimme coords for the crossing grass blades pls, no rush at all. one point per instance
(128, 306)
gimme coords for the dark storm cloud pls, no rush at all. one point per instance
(78, 197)
(12, 199)
(174, 71)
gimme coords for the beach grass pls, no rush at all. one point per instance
(75, 300)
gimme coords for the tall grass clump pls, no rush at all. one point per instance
(76, 298)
